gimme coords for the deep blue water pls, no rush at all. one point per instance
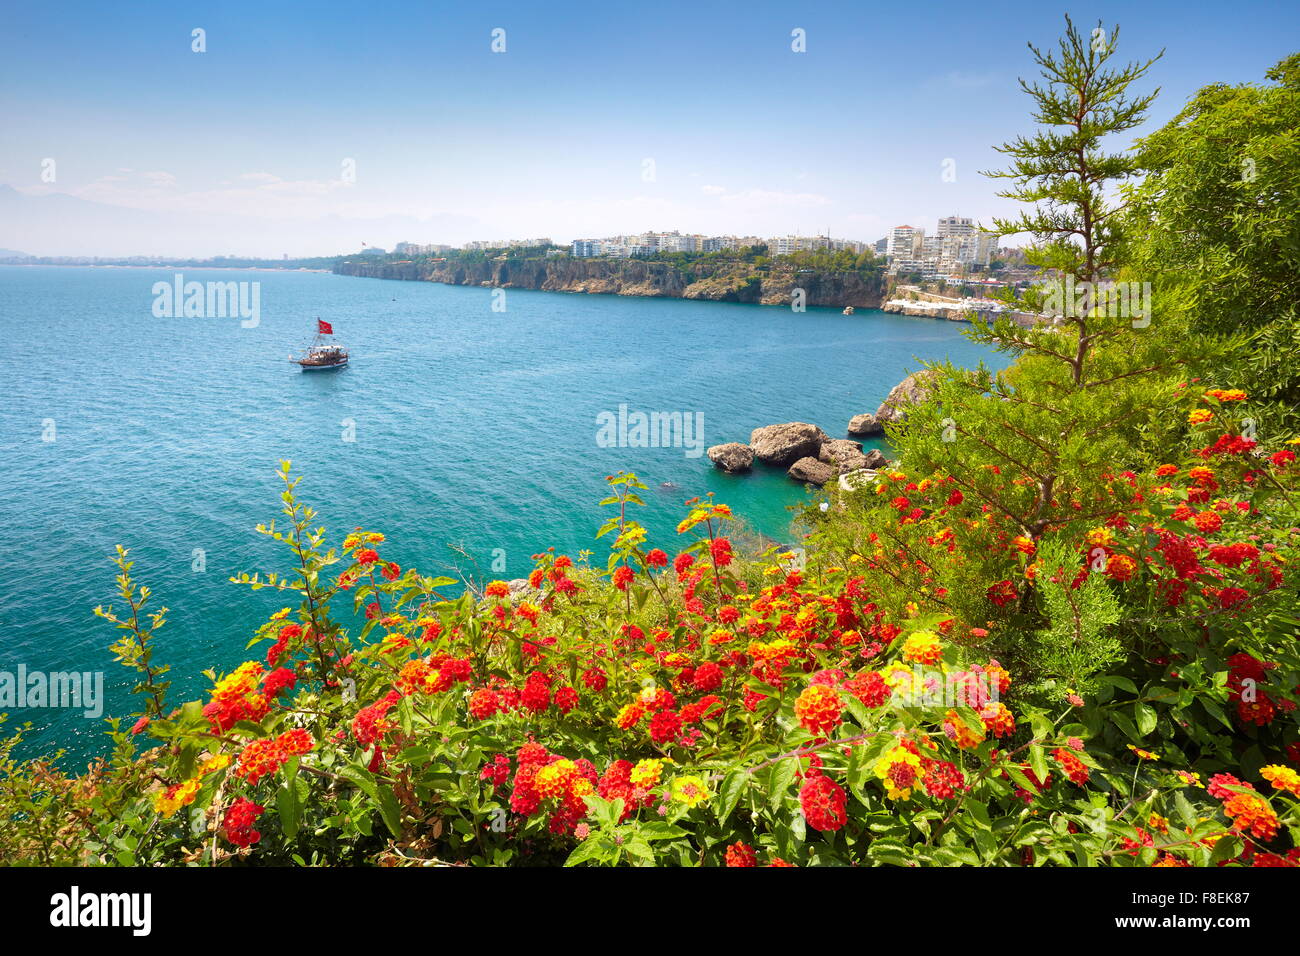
(472, 427)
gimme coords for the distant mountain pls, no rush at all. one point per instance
(12, 254)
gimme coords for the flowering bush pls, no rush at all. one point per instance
(719, 709)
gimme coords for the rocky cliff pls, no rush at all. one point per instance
(725, 282)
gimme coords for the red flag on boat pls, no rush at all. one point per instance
(324, 328)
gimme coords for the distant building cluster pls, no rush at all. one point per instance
(478, 245)
(416, 249)
(650, 243)
(957, 246)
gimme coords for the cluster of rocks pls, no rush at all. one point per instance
(809, 454)
(909, 391)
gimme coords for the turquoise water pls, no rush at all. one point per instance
(472, 427)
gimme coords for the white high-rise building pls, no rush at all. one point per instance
(955, 226)
(905, 242)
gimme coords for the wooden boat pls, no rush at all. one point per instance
(321, 354)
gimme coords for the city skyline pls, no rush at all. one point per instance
(310, 136)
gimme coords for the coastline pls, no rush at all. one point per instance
(714, 282)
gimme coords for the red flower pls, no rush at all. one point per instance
(1074, 768)
(566, 698)
(942, 780)
(1002, 593)
(140, 725)
(870, 688)
(708, 677)
(720, 549)
(537, 695)
(279, 679)
(818, 709)
(665, 726)
(1207, 522)
(823, 803)
(1231, 597)
(239, 820)
(656, 559)
(741, 854)
(367, 556)
(622, 577)
(483, 703)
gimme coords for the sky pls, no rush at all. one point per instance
(310, 129)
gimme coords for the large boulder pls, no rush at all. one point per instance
(909, 391)
(866, 424)
(786, 444)
(875, 459)
(845, 455)
(731, 457)
(812, 471)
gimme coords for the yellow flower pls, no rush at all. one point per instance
(1199, 416)
(690, 790)
(168, 801)
(646, 774)
(214, 763)
(280, 615)
(898, 675)
(1144, 754)
(553, 779)
(1282, 778)
(900, 769)
(923, 647)
(1098, 537)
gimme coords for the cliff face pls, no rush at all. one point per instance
(728, 282)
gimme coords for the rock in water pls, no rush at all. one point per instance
(875, 460)
(845, 455)
(811, 470)
(915, 388)
(786, 444)
(866, 424)
(732, 457)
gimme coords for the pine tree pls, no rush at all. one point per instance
(1043, 442)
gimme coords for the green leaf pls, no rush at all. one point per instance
(1145, 715)
(1038, 762)
(390, 810)
(286, 802)
(781, 777)
(734, 784)
(1225, 849)
(592, 848)
(659, 830)
(362, 778)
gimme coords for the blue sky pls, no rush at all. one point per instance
(240, 149)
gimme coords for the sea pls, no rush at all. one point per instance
(472, 428)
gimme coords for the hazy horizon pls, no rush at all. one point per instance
(310, 134)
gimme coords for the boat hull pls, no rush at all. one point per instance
(323, 368)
